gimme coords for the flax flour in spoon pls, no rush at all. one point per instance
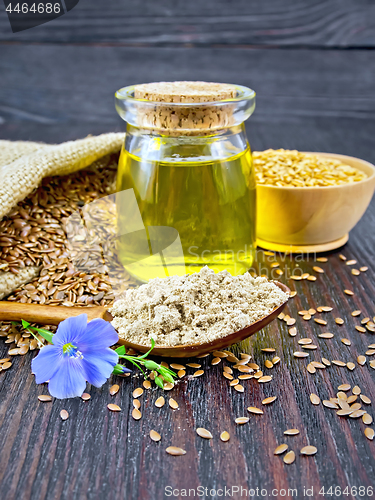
(195, 308)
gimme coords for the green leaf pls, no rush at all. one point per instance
(151, 365)
(121, 351)
(25, 324)
(166, 375)
(47, 335)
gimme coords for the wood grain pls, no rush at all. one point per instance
(307, 23)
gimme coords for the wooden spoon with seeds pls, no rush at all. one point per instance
(53, 315)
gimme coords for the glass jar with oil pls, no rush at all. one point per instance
(185, 184)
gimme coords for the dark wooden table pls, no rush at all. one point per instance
(313, 67)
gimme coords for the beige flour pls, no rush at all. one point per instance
(194, 308)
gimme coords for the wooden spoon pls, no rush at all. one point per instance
(53, 315)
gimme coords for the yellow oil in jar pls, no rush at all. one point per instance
(194, 213)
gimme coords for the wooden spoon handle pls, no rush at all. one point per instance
(47, 315)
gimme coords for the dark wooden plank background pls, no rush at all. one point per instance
(312, 64)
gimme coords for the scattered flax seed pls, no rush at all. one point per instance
(146, 384)
(306, 317)
(269, 400)
(220, 354)
(245, 377)
(64, 415)
(44, 398)
(369, 433)
(342, 395)
(326, 362)
(204, 433)
(344, 413)
(275, 264)
(291, 432)
(318, 269)
(363, 269)
(303, 312)
(268, 363)
(245, 369)
(342, 257)
(365, 399)
(137, 392)
(356, 406)
(193, 365)
(350, 366)
(329, 404)
(276, 360)
(372, 364)
(326, 308)
(305, 341)
(327, 335)
(85, 396)
(269, 349)
(344, 387)
(6, 365)
(349, 292)
(203, 355)
(322, 259)
(355, 272)
(198, 373)
(360, 329)
(291, 322)
(312, 347)
(281, 316)
(357, 414)
(136, 403)
(173, 404)
(225, 436)
(314, 399)
(181, 373)
(254, 366)
(136, 414)
(13, 352)
(338, 362)
(296, 277)
(339, 321)
(155, 436)
(311, 278)
(160, 402)
(351, 399)
(311, 368)
(370, 352)
(356, 390)
(317, 364)
(367, 419)
(114, 389)
(177, 366)
(299, 354)
(242, 420)
(165, 364)
(346, 341)
(113, 407)
(228, 376)
(215, 361)
(289, 457)
(265, 379)
(239, 388)
(175, 451)
(351, 262)
(253, 409)
(293, 331)
(365, 320)
(280, 449)
(308, 450)
(234, 382)
(169, 386)
(320, 321)
(304, 276)
(371, 346)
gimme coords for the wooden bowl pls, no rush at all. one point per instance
(191, 350)
(316, 218)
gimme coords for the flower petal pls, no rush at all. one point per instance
(69, 381)
(98, 334)
(70, 329)
(47, 362)
(99, 365)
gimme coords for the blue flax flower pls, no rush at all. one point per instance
(80, 352)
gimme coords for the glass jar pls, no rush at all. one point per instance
(185, 193)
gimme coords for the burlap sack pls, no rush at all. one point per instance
(24, 164)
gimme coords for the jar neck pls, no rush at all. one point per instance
(221, 145)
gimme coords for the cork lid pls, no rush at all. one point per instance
(185, 108)
(189, 92)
